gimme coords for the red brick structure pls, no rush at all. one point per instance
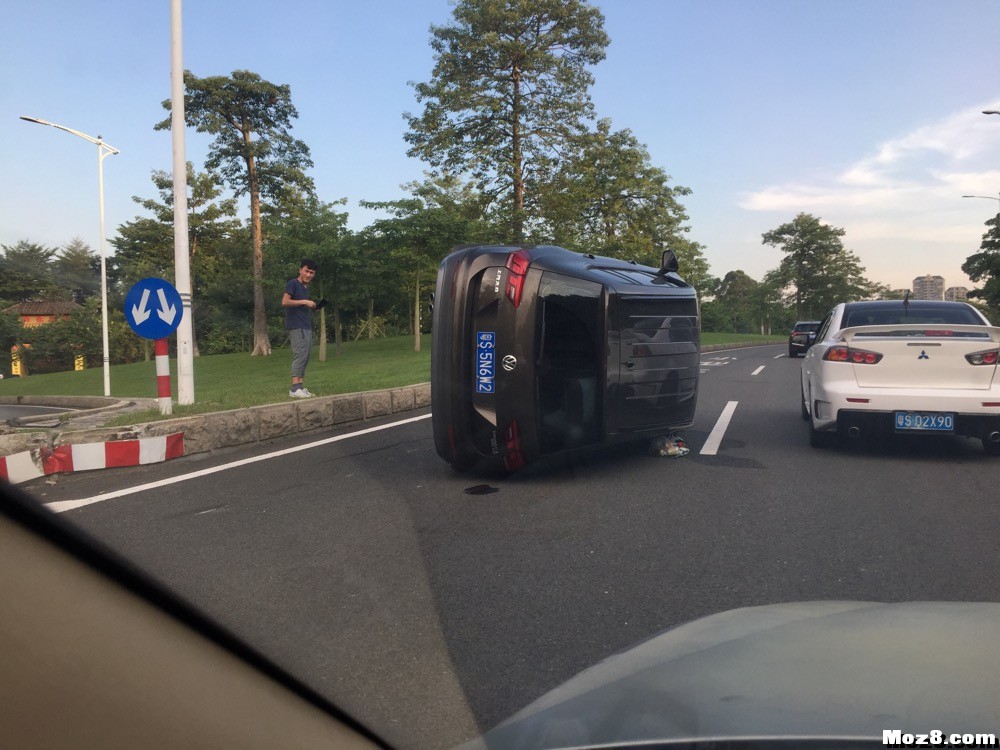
(39, 313)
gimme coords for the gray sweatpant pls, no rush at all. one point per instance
(301, 345)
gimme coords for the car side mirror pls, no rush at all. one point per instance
(668, 264)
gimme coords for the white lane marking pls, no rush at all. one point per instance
(64, 505)
(780, 356)
(711, 446)
(758, 370)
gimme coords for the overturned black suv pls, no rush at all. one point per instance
(538, 350)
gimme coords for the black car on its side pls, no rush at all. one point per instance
(802, 337)
(538, 350)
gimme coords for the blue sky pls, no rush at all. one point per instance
(866, 113)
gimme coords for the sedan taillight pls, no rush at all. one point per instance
(852, 355)
(988, 357)
(517, 263)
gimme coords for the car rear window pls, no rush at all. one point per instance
(809, 327)
(914, 313)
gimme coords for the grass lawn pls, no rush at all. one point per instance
(236, 381)
(741, 338)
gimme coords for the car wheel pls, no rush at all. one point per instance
(819, 439)
(802, 403)
(991, 448)
(792, 355)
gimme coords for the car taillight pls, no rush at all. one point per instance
(513, 457)
(852, 355)
(988, 357)
(517, 263)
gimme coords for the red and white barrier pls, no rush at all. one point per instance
(28, 465)
(162, 351)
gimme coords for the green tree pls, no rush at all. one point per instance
(78, 270)
(253, 152)
(442, 213)
(985, 266)
(737, 296)
(144, 247)
(509, 89)
(26, 273)
(817, 271)
(607, 197)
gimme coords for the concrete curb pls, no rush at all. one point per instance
(79, 406)
(206, 432)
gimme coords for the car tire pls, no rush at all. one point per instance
(802, 404)
(792, 355)
(819, 439)
(991, 448)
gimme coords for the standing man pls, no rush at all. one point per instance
(298, 323)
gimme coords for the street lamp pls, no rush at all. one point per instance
(986, 197)
(991, 112)
(103, 150)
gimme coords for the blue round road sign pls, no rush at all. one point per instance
(153, 308)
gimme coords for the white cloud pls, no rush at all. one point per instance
(904, 174)
(902, 203)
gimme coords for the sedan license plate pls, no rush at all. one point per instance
(485, 361)
(916, 421)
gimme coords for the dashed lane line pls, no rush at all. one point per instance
(711, 446)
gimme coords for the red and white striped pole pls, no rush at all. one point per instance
(162, 350)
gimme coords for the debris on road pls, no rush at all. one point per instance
(671, 446)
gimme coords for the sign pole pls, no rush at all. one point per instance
(153, 309)
(162, 351)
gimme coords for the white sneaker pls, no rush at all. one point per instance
(300, 393)
(309, 394)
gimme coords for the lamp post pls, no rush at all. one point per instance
(991, 112)
(986, 197)
(103, 150)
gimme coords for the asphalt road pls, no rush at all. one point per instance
(16, 411)
(433, 605)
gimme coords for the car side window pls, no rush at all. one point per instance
(824, 327)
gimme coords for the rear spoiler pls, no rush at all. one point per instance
(921, 330)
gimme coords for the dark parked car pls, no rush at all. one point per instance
(802, 337)
(539, 350)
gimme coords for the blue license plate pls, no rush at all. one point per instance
(917, 421)
(485, 361)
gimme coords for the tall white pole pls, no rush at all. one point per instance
(101, 153)
(182, 258)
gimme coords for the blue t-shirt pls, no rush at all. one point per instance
(297, 316)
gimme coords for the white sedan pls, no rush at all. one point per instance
(903, 367)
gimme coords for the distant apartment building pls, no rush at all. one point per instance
(956, 294)
(928, 287)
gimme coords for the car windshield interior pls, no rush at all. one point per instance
(570, 329)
